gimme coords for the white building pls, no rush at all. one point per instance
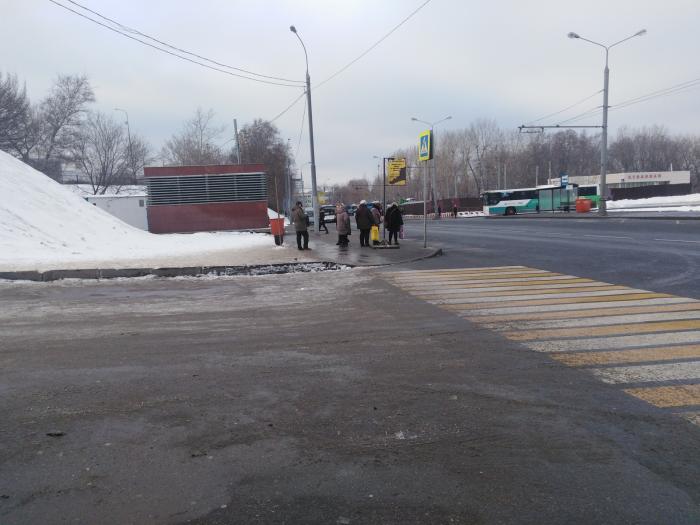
(129, 204)
(630, 180)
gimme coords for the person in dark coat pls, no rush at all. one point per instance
(300, 226)
(322, 221)
(393, 220)
(454, 211)
(364, 221)
(342, 224)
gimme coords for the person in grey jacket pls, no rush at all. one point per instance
(342, 224)
(364, 220)
(300, 226)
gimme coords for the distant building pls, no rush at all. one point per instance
(630, 180)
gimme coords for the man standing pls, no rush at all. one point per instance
(300, 226)
(364, 220)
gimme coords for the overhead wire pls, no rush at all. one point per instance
(370, 48)
(567, 108)
(172, 53)
(288, 107)
(137, 32)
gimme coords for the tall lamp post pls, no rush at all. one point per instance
(432, 180)
(602, 207)
(131, 155)
(314, 196)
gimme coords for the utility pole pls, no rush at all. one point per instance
(238, 144)
(314, 193)
(537, 175)
(602, 206)
(287, 184)
(131, 154)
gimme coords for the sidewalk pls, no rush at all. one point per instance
(323, 248)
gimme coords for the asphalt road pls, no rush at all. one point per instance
(353, 397)
(658, 255)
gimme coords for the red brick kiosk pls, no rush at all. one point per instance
(184, 199)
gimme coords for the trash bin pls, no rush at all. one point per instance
(583, 205)
(277, 229)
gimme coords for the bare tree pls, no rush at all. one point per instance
(196, 144)
(100, 151)
(62, 114)
(260, 143)
(14, 111)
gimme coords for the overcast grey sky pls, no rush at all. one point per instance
(504, 59)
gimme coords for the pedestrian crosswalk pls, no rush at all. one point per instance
(645, 342)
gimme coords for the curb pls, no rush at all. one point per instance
(592, 217)
(190, 271)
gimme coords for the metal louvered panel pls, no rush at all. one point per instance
(203, 189)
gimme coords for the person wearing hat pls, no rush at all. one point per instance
(364, 220)
(300, 226)
(393, 222)
(342, 224)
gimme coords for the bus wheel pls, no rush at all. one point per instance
(510, 211)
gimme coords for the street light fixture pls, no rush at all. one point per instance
(432, 180)
(602, 207)
(314, 196)
(131, 156)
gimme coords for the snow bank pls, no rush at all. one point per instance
(673, 203)
(45, 226)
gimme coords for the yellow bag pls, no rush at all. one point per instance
(374, 234)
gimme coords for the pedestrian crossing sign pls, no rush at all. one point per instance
(425, 145)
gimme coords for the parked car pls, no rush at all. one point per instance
(310, 215)
(329, 211)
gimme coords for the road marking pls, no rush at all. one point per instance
(649, 373)
(677, 240)
(482, 282)
(622, 335)
(543, 302)
(608, 236)
(573, 321)
(536, 293)
(637, 355)
(494, 284)
(593, 331)
(567, 311)
(471, 276)
(668, 396)
(610, 343)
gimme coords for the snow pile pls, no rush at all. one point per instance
(45, 226)
(673, 203)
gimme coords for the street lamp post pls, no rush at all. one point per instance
(314, 196)
(432, 181)
(131, 155)
(602, 207)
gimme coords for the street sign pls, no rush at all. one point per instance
(397, 172)
(425, 145)
(564, 179)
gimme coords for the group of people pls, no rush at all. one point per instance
(365, 219)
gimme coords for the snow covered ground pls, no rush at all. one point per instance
(657, 204)
(45, 226)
